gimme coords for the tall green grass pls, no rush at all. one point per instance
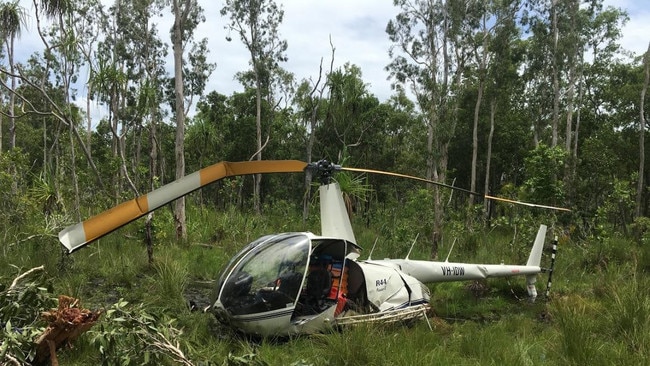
(598, 313)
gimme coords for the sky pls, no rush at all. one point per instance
(357, 31)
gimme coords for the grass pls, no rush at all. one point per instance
(598, 314)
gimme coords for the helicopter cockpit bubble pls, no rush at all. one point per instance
(267, 277)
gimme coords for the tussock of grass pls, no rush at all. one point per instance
(168, 282)
(629, 313)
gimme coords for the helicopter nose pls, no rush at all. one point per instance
(220, 312)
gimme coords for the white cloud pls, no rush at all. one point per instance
(355, 27)
(636, 32)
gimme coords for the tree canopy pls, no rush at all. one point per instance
(533, 100)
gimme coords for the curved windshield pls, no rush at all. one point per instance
(235, 260)
(269, 277)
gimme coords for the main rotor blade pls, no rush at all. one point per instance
(410, 177)
(78, 235)
(527, 204)
(456, 188)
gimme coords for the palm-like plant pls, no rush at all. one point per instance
(12, 20)
(354, 189)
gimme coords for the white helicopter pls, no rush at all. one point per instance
(303, 283)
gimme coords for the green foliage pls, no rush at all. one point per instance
(248, 359)
(619, 309)
(603, 253)
(640, 230)
(599, 284)
(399, 224)
(543, 168)
(15, 205)
(21, 305)
(589, 298)
(617, 209)
(130, 334)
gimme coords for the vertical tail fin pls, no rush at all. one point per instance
(535, 260)
(535, 257)
(335, 221)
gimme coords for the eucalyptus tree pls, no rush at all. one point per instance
(571, 48)
(191, 71)
(481, 59)
(591, 62)
(150, 101)
(137, 87)
(89, 25)
(429, 55)
(537, 72)
(12, 18)
(66, 44)
(121, 79)
(257, 22)
(60, 58)
(501, 77)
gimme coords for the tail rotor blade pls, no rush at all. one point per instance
(78, 235)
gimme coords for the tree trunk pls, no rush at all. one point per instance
(153, 165)
(642, 123)
(89, 120)
(150, 68)
(179, 148)
(555, 72)
(258, 134)
(477, 108)
(1, 137)
(12, 96)
(73, 171)
(488, 158)
(12, 116)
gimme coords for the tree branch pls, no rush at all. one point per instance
(17, 279)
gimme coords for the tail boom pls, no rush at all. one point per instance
(432, 272)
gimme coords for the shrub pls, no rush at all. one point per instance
(21, 305)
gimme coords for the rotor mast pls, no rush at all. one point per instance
(335, 222)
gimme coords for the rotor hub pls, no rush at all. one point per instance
(324, 170)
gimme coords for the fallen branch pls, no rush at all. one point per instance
(17, 279)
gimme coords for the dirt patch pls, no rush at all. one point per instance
(199, 294)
